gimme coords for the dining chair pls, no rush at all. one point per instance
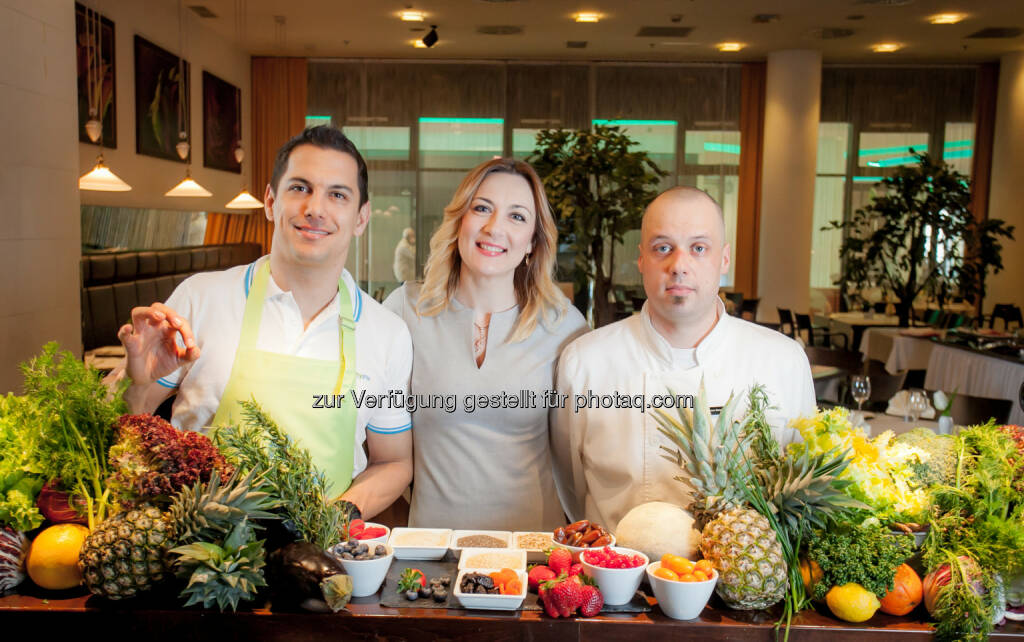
(749, 306)
(817, 332)
(786, 325)
(1008, 312)
(883, 384)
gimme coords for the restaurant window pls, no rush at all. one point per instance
(829, 200)
(711, 163)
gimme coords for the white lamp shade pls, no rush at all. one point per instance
(244, 201)
(188, 187)
(101, 179)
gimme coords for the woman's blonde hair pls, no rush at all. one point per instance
(536, 293)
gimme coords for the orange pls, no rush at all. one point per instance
(811, 574)
(53, 558)
(905, 595)
(666, 573)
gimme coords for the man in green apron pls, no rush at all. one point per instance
(291, 330)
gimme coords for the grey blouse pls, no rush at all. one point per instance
(477, 467)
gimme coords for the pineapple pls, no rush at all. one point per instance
(126, 554)
(737, 540)
(222, 574)
(726, 458)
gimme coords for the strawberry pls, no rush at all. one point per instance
(545, 599)
(566, 595)
(560, 560)
(539, 574)
(575, 569)
(592, 601)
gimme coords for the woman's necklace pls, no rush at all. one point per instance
(480, 339)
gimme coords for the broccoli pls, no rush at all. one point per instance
(940, 467)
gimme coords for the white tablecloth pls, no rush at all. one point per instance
(882, 422)
(976, 375)
(898, 352)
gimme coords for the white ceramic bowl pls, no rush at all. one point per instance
(577, 550)
(471, 558)
(489, 600)
(504, 536)
(438, 539)
(368, 575)
(618, 585)
(533, 554)
(373, 541)
(681, 600)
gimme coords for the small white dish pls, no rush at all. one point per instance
(489, 600)
(420, 543)
(504, 536)
(495, 558)
(383, 539)
(368, 575)
(534, 554)
(618, 585)
(680, 600)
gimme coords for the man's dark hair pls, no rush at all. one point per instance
(324, 137)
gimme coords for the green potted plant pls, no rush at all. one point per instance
(918, 235)
(598, 190)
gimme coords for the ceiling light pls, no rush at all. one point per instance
(418, 44)
(587, 16)
(244, 201)
(411, 15)
(886, 47)
(946, 18)
(188, 187)
(101, 179)
(730, 46)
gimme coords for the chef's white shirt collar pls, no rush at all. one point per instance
(660, 348)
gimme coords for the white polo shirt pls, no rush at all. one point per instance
(214, 303)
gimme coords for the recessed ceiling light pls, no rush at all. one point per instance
(587, 16)
(946, 18)
(411, 15)
(418, 43)
(730, 46)
(886, 47)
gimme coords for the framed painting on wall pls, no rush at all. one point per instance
(95, 60)
(222, 123)
(160, 111)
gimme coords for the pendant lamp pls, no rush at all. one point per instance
(244, 200)
(188, 187)
(100, 178)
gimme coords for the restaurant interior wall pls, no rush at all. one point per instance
(150, 177)
(40, 235)
(870, 117)
(422, 126)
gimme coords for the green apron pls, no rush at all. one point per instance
(285, 386)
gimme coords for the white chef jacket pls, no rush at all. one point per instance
(609, 459)
(214, 303)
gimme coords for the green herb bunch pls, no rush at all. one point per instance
(20, 471)
(288, 473)
(977, 528)
(865, 555)
(77, 418)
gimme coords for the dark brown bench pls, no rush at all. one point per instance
(113, 283)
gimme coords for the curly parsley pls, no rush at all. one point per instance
(866, 555)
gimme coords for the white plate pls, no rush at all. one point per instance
(470, 558)
(489, 600)
(504, 536)
(533, 554)
(419, 552)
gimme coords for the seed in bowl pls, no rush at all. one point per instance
(480, 541)
(533, 541)
(492, 560)
(419, 538)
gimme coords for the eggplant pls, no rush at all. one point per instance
(305, 575)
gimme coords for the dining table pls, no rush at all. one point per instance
(853, 324)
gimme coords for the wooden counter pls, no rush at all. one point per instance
(36, 617)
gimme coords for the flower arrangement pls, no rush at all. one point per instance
(881, 469)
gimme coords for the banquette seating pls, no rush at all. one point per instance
(114, 283)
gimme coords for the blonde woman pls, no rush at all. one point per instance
(488, 324)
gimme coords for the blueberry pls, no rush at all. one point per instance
(380, 550)
(411, 595)
(426, 591)
(440, 595)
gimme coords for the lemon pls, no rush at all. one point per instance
(53, 558)
(852, 602)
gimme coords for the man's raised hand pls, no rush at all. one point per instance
(150, 343)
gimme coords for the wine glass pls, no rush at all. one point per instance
(917, 403)
(860, 390)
